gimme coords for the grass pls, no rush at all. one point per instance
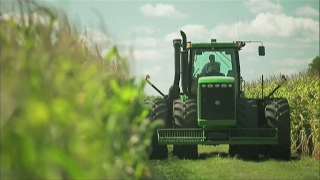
(214, 163)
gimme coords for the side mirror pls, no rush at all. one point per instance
(261, 51)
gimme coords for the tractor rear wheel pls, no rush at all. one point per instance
(247, 117)
(158, 112)
(185, 116)
(277, 112)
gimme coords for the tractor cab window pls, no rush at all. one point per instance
(218, 62)
(208, 62)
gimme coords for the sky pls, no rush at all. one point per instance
(289, 30)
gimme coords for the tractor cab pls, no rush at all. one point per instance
(218, 60)
(213, 59)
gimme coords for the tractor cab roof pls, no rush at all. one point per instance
(215, 44)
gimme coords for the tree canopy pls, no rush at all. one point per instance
(314, 66)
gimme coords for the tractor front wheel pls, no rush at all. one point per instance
(158, 111)
(277, 112)
(185, 116)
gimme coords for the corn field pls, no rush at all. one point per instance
(302, 91)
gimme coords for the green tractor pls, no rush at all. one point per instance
(206, 105)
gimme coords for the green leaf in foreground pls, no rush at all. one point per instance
(65, 114)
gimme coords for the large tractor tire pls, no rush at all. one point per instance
(247, 117)
(158, 111)
(277, 112)
(185, 116)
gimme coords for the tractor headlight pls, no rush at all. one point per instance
(210, 85)
(217, 85)
(223, 85)
(229, 85)
(203, 85)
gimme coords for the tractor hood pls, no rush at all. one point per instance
(215, 79)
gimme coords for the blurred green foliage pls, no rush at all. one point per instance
(66, 112)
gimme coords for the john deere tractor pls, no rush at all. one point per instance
(206, 105)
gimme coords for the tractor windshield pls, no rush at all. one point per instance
(217, 62)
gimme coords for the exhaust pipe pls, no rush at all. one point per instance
(184, 63)
(184, 40)
(176, 45)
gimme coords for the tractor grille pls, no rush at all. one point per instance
(217, 101)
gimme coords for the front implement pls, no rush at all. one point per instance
(197, 136)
